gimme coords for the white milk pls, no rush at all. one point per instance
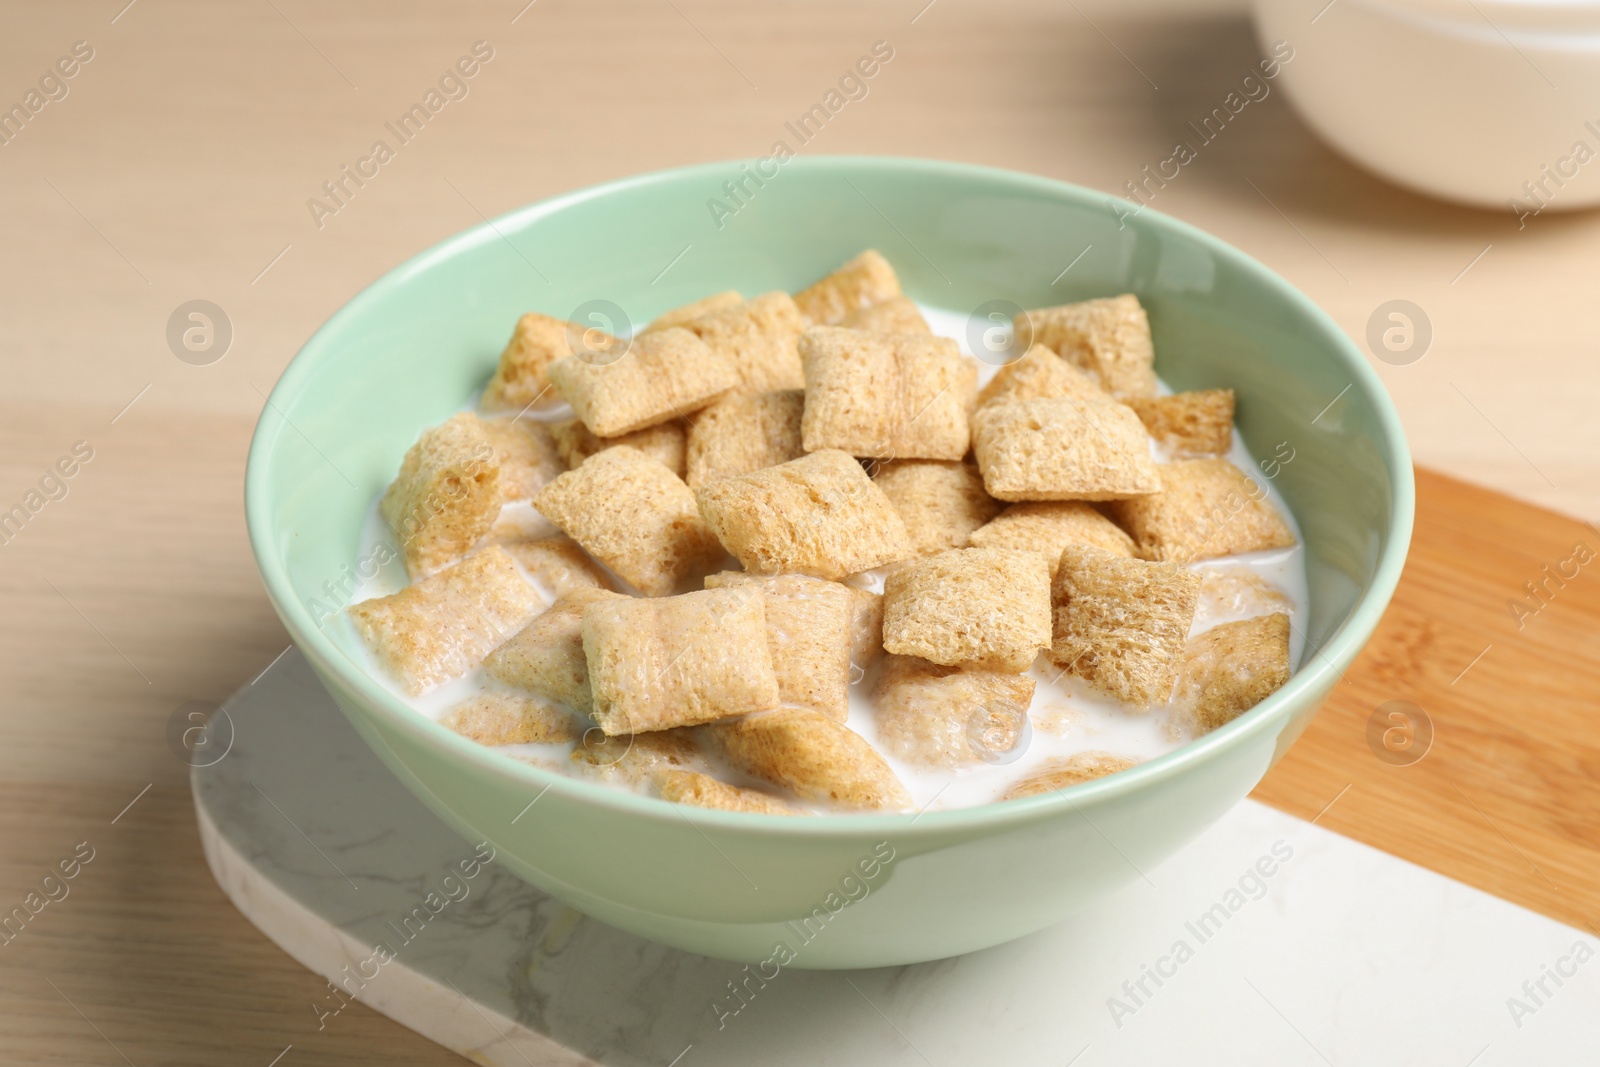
(1066, 717)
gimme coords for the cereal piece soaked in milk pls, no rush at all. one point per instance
(1230, 668)
(444, 625)
(1121, 624)
(1109, 337)
(937, 716)
(678, 661)
(759, 338)
(942, 502)
(809, 624)
(1233, 592)
(1060, 773)
(1063, 449)
(446, 496)
(663, 442)
(981, 607)
(1206, 508)
(660, 376)
(866, 627)
(860, 283)
(704, 791)
(1189, 424)
(818, 515)
(546, 656)
(1040, 374)
(635, 759)
(744, 432)
(898, 314)
(1048, 526)
(636, 517)
(558, 566)
(497, 718)
(527, 456)
(886, 395)
(812, 756)
(693, 310)
(522, 381)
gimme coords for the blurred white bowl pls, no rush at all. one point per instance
(1494, 103)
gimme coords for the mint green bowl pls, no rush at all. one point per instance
(410, 349)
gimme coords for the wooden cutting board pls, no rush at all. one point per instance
(1507, 794)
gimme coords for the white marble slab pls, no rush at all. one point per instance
(1341, 955)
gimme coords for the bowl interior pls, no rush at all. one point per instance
(413, 347)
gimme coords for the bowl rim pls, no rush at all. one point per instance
(1334, 656)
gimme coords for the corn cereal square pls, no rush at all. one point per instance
(678, 661)
(888, 396)
(441, 627)
(1206, 508)
(1121, 624)
(986, 607)
(818, 515)
(446, 496)
(636, 517)
(809, 628)
(744, 432)
(1108, 337)
(933, 715)
(658, 376)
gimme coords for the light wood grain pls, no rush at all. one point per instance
(1508, 796)
(179, 167)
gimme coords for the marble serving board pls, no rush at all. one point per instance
(1267, 941)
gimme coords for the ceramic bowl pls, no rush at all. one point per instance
(1489, 103)
(837, 890)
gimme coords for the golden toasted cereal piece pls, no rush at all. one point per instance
(446, 496)
(663, 442)
(1108, 337)
(1040, 374)
(634, 759)
(865, 280)
(1189, 424)
(809, 630)
(546, 656)
(759, 337)
(1121, 624)
(942, 502)
(744, 432)
(521, 380)
(678, 661)
(938, 716)
(1234, 591)
(441, 627)
(1229, 669)
(527, 455)
(1048, 526)
(704, 791)
(809, 754)
(866, 643)
(1063, 450)
(705, 305)
(636, 517)
(898, 314)
(1060, 773)
(818, 515)
(889, 396)
(660, 376)
(496, 718)
(1206, 508)
(982, 607)
(557, 566)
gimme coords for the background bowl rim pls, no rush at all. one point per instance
(1335, 655)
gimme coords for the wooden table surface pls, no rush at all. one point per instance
(177, 166)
